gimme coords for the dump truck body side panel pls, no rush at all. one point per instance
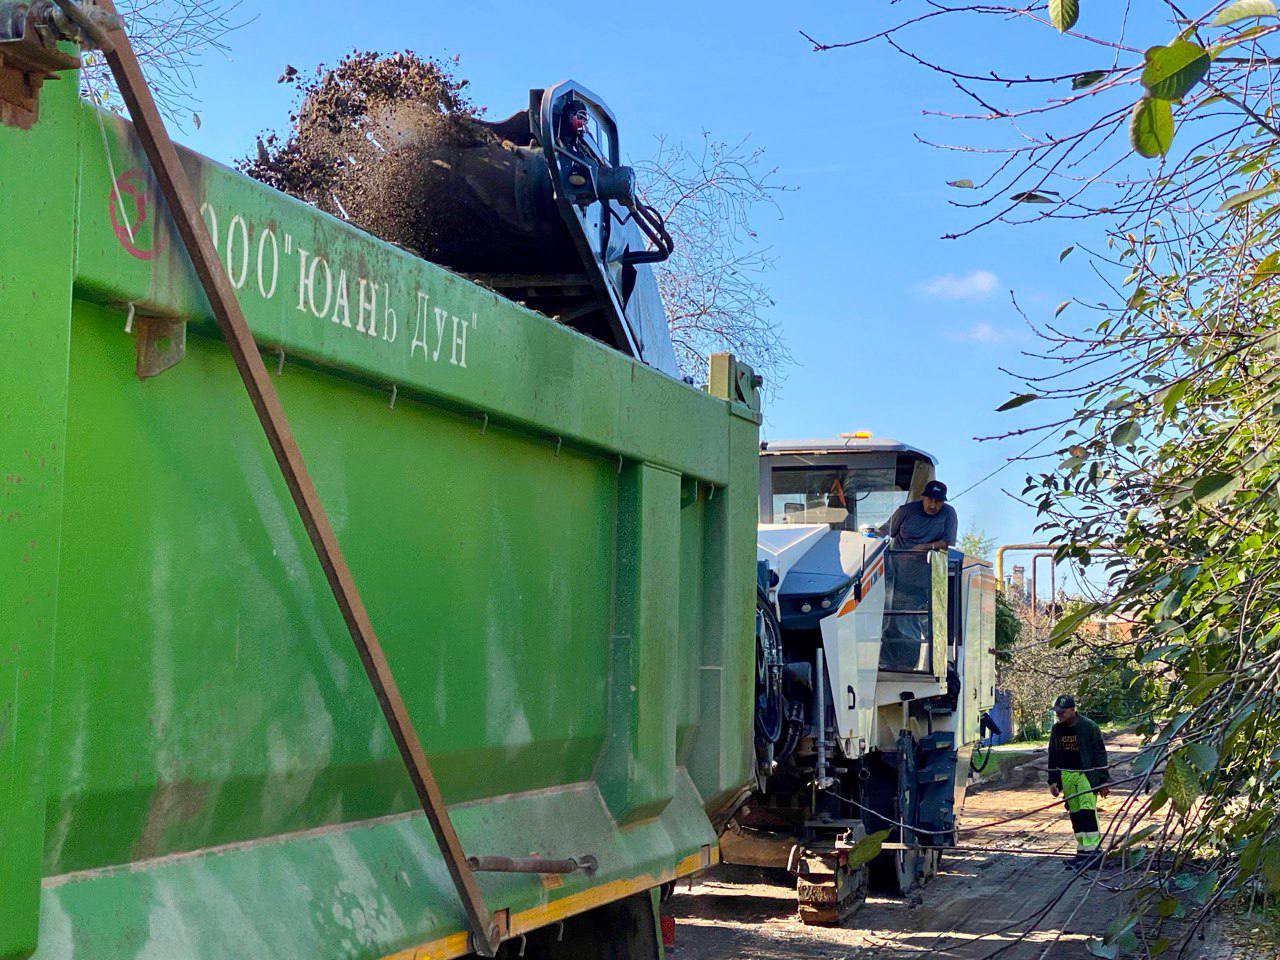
(193, 730)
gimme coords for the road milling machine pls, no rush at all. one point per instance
(875, 669)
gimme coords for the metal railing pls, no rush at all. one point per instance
(907, 636)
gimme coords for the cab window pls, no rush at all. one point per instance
(846, 498)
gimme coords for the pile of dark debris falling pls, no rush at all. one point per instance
(364, 144)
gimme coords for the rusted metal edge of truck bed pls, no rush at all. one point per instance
(526, 921)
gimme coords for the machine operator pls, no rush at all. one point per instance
(929, 523)
(915, 528)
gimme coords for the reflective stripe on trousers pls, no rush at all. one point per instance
(1082, 804)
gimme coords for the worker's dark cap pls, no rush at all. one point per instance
(1064, 702)
(935, 490)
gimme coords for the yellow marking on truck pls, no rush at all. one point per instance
(526, 921)
(443, 949)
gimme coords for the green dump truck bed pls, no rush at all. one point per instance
(555, 543)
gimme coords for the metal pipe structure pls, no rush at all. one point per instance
(1018, 547)
(1000, 552)
(587, 864)
(820, 721)
(1012, 851)
(1053, 587)
(1044, 550)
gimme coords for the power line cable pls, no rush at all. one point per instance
(1004, 466)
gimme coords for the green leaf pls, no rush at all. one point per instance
(1082, 80)
(1151, 127)
(1206, 685)
(1202, 756)
(1170, 729)
(1204, 887)
(1062, 306)
(1243, 197)
(1173, 395)
(1141, 835)
(1065, 628)
(1215, 487)
(1256, 30)
(962, 184)
(1108, 951)
(1065, 253)
(1118, 927)
(1148, 758)
(1271, 866)
(1250, 856)
(1126, 433)
(1171, 72)
(1159, 653)
(1017, 401)
(1063, 14)
(1267, 267)
(1243, 10)
(867, 849)
(1181, 783)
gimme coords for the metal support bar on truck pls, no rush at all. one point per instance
(104, 29)
(587, 864)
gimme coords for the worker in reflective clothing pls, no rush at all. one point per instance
(1078, 773)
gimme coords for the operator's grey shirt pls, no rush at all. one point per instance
(910, 526)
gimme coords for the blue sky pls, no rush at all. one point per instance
(893, 329)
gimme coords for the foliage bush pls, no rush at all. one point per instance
(1163, 402)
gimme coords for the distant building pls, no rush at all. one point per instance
(1016, 583)
(1110, 627)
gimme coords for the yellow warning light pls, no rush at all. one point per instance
(856, 435)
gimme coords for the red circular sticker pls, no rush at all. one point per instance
(129, 201)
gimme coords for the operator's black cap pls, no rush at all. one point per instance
(1064, 702)
(935, 490)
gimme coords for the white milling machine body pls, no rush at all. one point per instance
(876, 668)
